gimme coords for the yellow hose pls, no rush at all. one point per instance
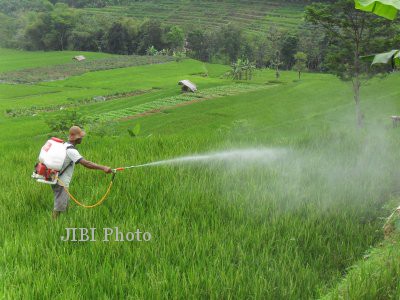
(88, 206)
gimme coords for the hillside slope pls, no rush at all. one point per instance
(253, 17)
(286, 224)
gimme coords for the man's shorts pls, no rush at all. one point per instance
(60, 198)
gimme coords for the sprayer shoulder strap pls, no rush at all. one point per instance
(71, 162)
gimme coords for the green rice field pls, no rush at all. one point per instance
(297, 215)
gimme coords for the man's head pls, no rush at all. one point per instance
(76, 134)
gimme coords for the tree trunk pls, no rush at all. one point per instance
(356, 90)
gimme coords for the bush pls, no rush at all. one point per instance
(61, 123)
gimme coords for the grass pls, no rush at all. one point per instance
(374, 277)
(57, 72)
(289, 229)
(17, 60)
(254, 18)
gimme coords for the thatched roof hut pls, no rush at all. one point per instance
(187, 86)
(79, 58)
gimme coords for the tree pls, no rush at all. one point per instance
(150, 34)
(288, 50)
(176, 38)
(198, 45)
(62, 19)
(50, 30)
(241, 67)
(351, 34)
(36, 31)
(276, 63)
(313, 42)
(117, 39)
(8, 27)
(229, 40)
(300, 65)
(275, 37)
(248, 68)
(387, 9)
(260, 45)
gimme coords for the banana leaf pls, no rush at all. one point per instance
(384, 8)
(391, 57)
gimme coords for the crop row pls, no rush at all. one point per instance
(211, 93)
(212, 15)
(34, 110)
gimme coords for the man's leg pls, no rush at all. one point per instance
(60, 200)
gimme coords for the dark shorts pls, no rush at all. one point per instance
(60, 198)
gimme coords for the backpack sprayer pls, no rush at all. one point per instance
(49, 168)
(51, 159)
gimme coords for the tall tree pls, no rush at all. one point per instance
(117, 39)
(62, 22)
(150, 34)
(288, 50)
(274, 37)
(229, 39)
(198, 45)
(313, 42)
(300, 65)
(352, 33)
(176, 38)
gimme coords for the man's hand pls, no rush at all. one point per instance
(107, 169)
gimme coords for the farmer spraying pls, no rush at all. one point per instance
(57, 160)
(56, 167)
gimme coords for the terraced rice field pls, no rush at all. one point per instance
(254, 18)
(298, 214)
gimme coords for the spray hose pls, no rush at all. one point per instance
(98, 202)
(102, 199)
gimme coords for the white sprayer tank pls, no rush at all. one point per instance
(53, 154)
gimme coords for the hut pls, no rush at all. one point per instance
(187, 86)
(79, 58)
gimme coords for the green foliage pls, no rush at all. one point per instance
(351, 35)
(179, 55)
(289, 49)
(50, 30)
(242, 69)
(135, 131)
(150, 35)
(151, 51)
(176, 38)
(14, 7)
(384, 8)
(300, 65)
(62, 122)
(375, 277)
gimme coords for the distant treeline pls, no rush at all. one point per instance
(42, 25)
(13, 5)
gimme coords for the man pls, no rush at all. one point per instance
(73, 157)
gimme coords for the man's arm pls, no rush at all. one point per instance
(91, 165)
